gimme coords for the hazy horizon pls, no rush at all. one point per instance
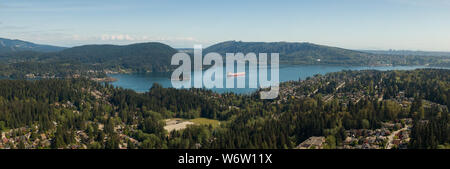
(417, 25)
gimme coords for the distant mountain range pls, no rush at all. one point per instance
(9, 45)
(19, 58)
(408, 52)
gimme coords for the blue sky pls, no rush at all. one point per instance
(354, 24)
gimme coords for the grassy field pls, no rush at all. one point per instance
(179, 123)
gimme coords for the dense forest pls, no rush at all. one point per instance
(80, 113)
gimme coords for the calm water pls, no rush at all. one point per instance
(141, 82)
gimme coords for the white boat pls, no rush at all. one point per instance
(235, 74)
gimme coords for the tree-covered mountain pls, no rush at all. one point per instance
(9, 45)
(308, 53)
(141, 57)
(95, 60)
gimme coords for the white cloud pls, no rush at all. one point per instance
(123, 39)
(63, 38)
(119, 37)
(127, 37)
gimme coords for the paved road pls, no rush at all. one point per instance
(391, 137)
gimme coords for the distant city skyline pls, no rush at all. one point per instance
(352, 24)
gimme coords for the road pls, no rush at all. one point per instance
(390, 144)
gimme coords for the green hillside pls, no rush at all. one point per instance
(308, 53)
(142, 57)
(9, 45)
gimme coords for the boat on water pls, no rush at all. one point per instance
(229, 74)
(181, 78)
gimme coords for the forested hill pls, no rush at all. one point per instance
(92, 60)
(9, 45)
(136, 57)
(308, 53)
